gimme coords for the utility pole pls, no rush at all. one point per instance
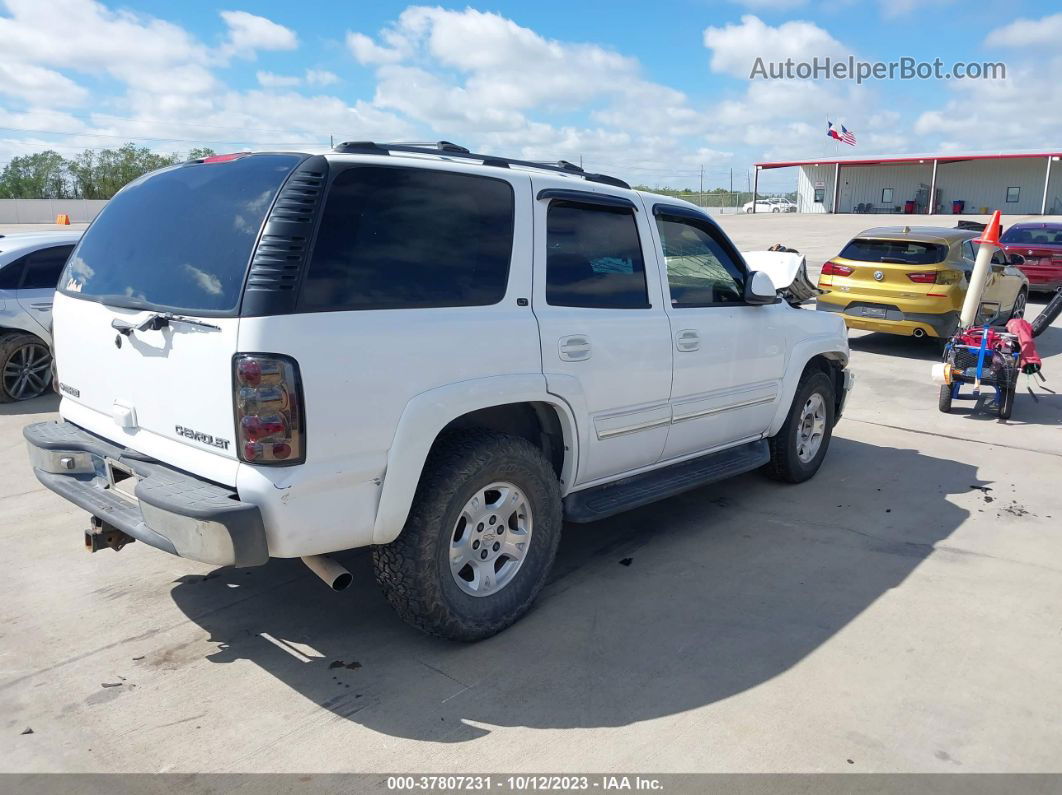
(331, 142)
(700, 190)
(732, 185)
(580, 162)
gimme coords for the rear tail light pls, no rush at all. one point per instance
(935, 277)
(926, 277)
(833, 269)
(267, 393)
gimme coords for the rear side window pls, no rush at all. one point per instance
(43, 267)
(594, 257)
(11, 274)
(179, 239)
(907, 252)
(396, 238)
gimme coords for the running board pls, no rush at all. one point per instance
(601, 502)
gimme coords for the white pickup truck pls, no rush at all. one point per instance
(437, 354)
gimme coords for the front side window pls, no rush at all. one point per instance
(400, 238)
(594, 257)
(700, 270)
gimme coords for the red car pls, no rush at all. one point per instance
(1041, 246)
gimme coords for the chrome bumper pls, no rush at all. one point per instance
(168, 509)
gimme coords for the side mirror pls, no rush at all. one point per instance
(1016, 259)
(759, 289)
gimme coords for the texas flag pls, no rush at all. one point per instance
(844, 136)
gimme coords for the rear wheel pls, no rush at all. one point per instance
(25, 367)
(944, 401)
(480, 538)
(797, 450)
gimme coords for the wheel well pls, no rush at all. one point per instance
(834, 368)
(535, 421)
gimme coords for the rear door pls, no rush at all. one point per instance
(606, 342)
(39, 279)
(146, 320)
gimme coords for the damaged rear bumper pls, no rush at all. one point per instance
(166, 508)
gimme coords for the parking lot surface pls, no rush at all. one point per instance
(902, 611)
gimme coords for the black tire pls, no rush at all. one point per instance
(944, 401)
(1020, 302)
(414, 570)
(785, 464)
(12, 345)
(1006, 404)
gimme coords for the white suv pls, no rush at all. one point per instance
(434, 353)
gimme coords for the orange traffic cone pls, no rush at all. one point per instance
(63, 219)
(990, 234)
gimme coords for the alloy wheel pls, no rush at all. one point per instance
(490, 539)
(27, 371)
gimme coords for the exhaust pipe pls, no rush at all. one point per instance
(335, 576)
(919, 333)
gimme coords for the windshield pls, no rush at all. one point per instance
(907, 252)
(179, 239)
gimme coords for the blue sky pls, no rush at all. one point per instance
(651, 92)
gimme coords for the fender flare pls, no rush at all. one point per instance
(425, 416)
(803, 352)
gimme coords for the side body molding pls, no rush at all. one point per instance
(429, 412)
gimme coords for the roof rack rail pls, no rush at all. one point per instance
(449, 149)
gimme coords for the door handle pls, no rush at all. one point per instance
(688, 340)
(574, 348)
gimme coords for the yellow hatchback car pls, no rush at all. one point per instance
(912, 281)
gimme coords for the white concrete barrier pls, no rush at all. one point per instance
(43, 211)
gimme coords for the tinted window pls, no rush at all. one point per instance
(180, 238)
(907, 252)
(403, 237)
(11, 274)
(700, 271)
(594, 257)
(43, 267)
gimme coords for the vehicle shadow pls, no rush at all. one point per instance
(661, 610)
(45, 404)
(895, 345)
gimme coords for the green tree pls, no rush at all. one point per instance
(99, 174)
(200, 152)
(38, 176)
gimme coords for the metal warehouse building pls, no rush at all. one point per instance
(1019, 183)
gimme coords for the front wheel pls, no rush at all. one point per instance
(798, 449)
(944, 400)
(480, 538)
(748, 209)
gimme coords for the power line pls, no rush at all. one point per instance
(160, 140)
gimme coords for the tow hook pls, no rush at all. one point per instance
(102, 535)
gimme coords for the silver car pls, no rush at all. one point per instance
(30, 264)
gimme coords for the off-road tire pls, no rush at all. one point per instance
(944, 401)
(413, 570)
(9, 343)
(785, 465)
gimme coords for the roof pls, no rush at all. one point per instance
(27, 241)
(944, 233)
(889, 159)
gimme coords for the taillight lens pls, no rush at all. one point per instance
(925, 277)
(833, 269)
(267, 394)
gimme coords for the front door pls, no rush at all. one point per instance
(729, 355)
(606, 342)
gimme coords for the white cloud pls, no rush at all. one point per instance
(321, 77)
(368, 52)
(39, 85)
(271, 80)
(249, 33)
(736, 47)
(1028, 33)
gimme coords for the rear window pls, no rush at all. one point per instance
(179, 239)
(1047, 236)
(907, 252)
(398, 238)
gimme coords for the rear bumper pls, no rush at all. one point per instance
(895, 320)
(172, 510)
